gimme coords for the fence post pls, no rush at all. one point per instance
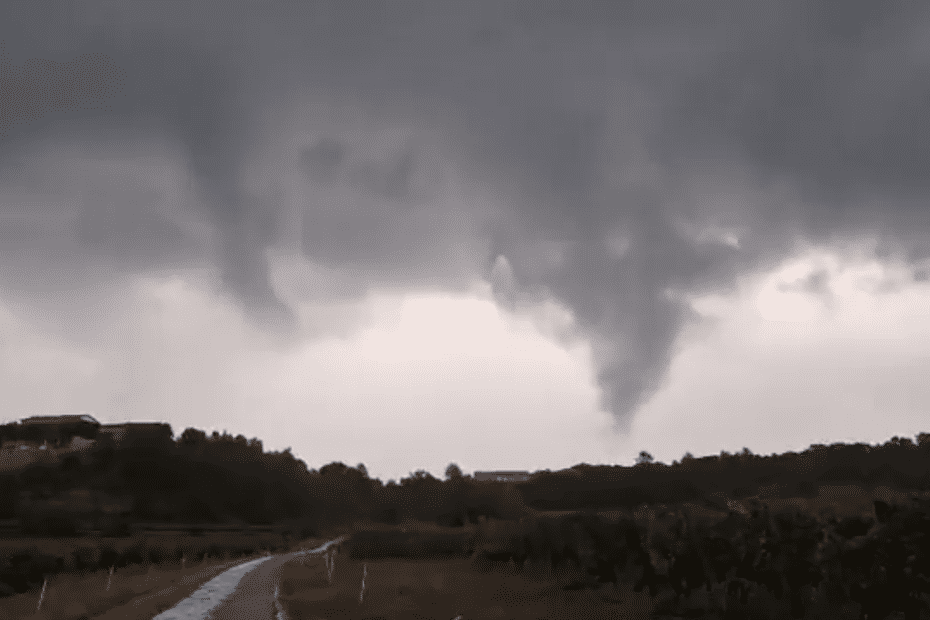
(361, 594)
(42, 596)
(109, 579)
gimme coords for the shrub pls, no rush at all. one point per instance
(133, 555)
(108, 557)
(368, 544)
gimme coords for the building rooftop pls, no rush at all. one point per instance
(59, 419)
(502, 475)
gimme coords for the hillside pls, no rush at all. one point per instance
(207, 480)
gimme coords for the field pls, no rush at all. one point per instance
(399, 582)
(139, 587)
(442, 590)
(423, 571)
(414, 570)
(136, 592)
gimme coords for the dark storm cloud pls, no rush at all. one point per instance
(323, 160)
(597, 125)
(176, 89)
(830, 95)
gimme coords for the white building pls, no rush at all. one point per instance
(502, 476)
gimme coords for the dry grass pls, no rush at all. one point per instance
(443, 590)
(75, 596)
(135, 592)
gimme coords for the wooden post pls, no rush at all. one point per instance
(361, 594)
(42, 596)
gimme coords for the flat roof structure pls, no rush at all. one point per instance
(59, 419)
(502, 476)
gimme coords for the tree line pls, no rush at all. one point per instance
(899, 463)
(220, 478)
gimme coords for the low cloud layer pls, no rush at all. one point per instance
(610, 156)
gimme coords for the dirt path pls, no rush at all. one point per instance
(141, 608)
(246, 591)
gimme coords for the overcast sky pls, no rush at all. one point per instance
(513, 235)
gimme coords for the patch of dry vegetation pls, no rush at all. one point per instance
(131, 589)
(136, 591)
(443, 589)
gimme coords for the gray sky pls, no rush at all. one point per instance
(505, 234)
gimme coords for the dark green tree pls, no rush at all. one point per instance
(453, 472)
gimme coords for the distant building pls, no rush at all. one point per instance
(502, 476)
(60, 431)
(59, 420)
(57, 430)
(50, 439)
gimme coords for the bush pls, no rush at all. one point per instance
(108, 557)
(85, 558)
(388, 516)
(443, 545)
(368, 544)
(807, 489)
(133, 555)
(157, 554)
(450, 519)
